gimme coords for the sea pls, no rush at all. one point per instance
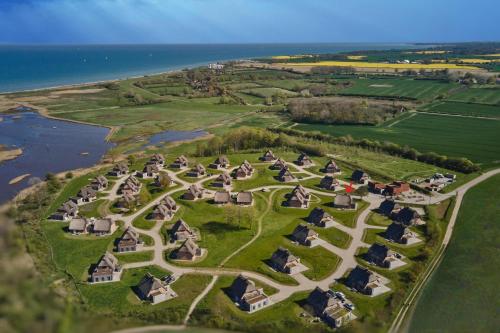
(26, 67)
(51, 146)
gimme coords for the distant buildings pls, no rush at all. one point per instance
(344, 201)
(268, 156)
(180, 162)
(360, 177)
(331, 167)
(286, 176)
(304, 160)
(222, 162)
(321, 218)
(365, 281)
(129, 241)
(284, 261)
(120, 169)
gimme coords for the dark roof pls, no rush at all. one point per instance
(387, 206)
(406, 216)
(378, 250)
(360, 275)
(396, 231)
(358, 175)
(320, 300)
(303, 232)
(241, 286)
(181, 226)
(317, 215)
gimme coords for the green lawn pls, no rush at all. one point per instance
(75, 254)
(98, 208)
(117, 299)
(134, 256)
(476, 139)
(216, 310)
(277, 225)
(465, 286)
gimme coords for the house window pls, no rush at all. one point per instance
(109, 278)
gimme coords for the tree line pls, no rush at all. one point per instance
(459, 164)
(335, 111)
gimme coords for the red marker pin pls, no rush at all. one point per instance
(348, 188)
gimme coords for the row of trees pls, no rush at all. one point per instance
(335, 111)
(452, 163)
(246, 138)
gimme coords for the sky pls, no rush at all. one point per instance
(246, 21)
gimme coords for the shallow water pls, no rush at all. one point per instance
(48, 146)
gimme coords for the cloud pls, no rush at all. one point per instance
(219, 21)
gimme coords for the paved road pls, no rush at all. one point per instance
(304, 284)
(460, 192)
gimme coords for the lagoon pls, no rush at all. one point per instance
(48, 145)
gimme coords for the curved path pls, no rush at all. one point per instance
(348, 256)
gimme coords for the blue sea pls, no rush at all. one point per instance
(37, 66)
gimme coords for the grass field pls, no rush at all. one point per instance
(476, 139)
(268, 92)
(118, 299)
(407, 88)
(218, 311)
(487, 95)
(464, 109)
(465, 286)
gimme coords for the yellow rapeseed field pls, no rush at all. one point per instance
(361, 64)
(492, 55)
(287, 57)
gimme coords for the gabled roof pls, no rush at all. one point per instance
(300, 189)
(181, 226)
(181, 159)
(303, 232)
(358, 175)
(244, 197)
(380, 251)
(68, 207)
(222, 196)
(406, 216)
(222, 159)
(242, 286)
(151, 168)
(320, 300)
(150, 285)
(78, 224)
(396, 231)
(343, 200)
(285, 172)
(303, 157)
(224, 177)
(199, 168)
(101, 180)
(122, 167)
(279, 163)
(108, 261)
(87, 192)
(103, 225)
(283, 256)
(157, 158)
(318, 214)
(195, 190)
(328, 181)
(169, 202)
(331, 165)
(388, 206)
(269, 153)
(162, 210)
(189, 246)
(361, 275)
(130, 234)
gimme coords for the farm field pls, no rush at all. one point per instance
(465, 286)
(463, 109)
(451, 136)
(398, 88)
(363, 64)
(487, 95)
